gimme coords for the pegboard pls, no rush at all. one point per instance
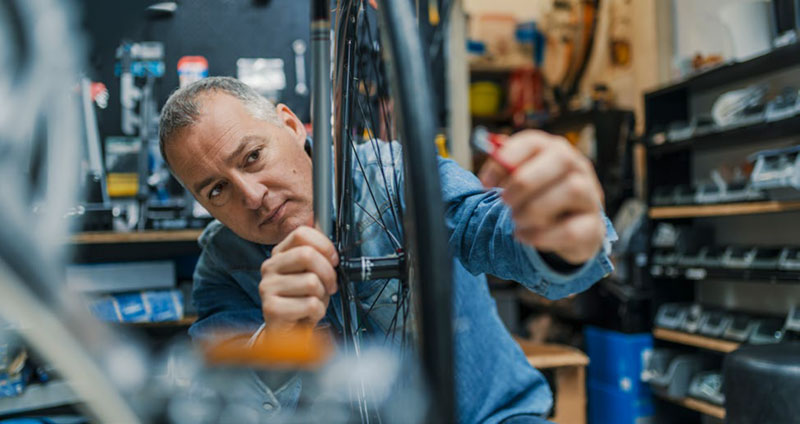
(221, 30)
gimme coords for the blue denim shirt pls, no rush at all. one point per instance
(493, 378)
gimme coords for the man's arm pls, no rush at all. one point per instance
(482, 236)
(553, 192)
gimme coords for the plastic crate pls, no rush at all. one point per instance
(617, 359)
(608, 405)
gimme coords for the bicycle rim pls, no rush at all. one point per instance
(375, 101)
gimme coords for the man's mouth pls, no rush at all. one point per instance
(275, 215)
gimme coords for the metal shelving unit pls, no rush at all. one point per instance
(673, 164)
(708, 274)
(782, 57)
(730, 137)
(37, 397)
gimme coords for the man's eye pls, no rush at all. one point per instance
(253, 156)
(215, 191)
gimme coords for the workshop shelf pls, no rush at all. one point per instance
(778, 58)
(569, 366)
(683, 146)
(38, 397)
(151, 236)
(730, 137)
(495, 68)
(183, 322)
(695, 340)
(698, 405)
(723, 209)
(138, 245)
(726, 274)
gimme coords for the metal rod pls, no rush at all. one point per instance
(145, 117)
(321, 116)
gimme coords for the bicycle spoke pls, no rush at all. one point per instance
(405, 314)
(377, 149)
(382, 93)
(352, 247)
(371, 193)
(368, 117)
(375, 220)
(380, 83)
(393, 323)
(375, 302)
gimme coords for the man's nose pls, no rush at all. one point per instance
(252, 190)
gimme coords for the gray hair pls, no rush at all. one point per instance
(183, 106)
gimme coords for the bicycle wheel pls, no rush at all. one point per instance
(382, 92)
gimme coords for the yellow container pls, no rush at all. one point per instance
(484, 98)
(122, 184)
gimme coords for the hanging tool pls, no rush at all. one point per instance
(299, 48)
(143, 60)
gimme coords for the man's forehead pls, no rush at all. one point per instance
(223, 129)
(218, 127)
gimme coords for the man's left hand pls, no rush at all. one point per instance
(553, 193)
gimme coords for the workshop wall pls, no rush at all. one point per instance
(699, 30)
(521, 9)
(222, 31)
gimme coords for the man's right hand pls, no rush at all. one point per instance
(298, 280)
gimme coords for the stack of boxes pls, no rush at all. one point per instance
(617, 394)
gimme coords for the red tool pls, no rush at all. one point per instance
(489, 143)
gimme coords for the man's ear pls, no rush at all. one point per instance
(291, 122)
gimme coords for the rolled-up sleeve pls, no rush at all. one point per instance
(222, 306)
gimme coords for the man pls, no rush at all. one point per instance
(262, 264)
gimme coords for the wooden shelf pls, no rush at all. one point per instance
(183, 322)
(152, 236)
(486, 68)
(699, 406)
(548, 355)
(724, 209)
(695, 340)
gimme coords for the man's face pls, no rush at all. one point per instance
(252, 175)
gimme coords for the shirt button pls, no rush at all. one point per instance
(394, 298)
(268, 406)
